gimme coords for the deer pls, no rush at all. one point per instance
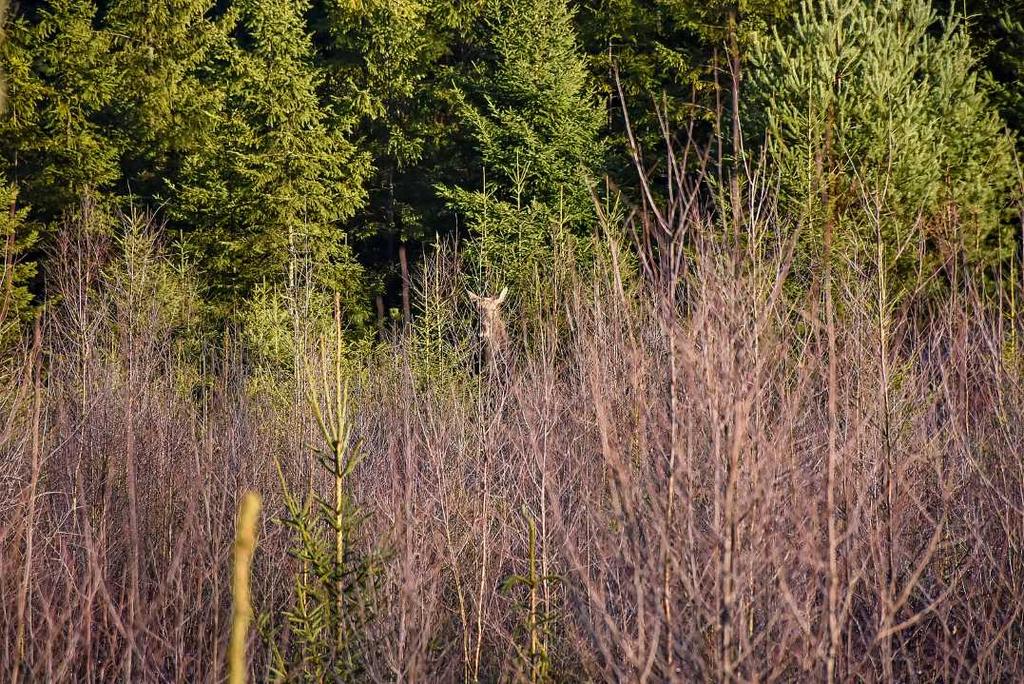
(492, 325)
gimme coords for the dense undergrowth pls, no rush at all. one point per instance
(679, 466)
(707, 366)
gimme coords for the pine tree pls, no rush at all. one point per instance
(536, 126)
(878, 108)
(61, 83)
(271, 195)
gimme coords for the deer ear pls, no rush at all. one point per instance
(473, 297)
(503, 295)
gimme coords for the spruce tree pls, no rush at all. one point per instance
(15, 299)
(169, 53)
(660, 66)
(536, 125)
(270, 196)
(664, 51)
(61, 83)
(877, 121)
(16, 304)
(383, 62)
(996, 28)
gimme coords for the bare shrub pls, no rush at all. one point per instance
(690, 472)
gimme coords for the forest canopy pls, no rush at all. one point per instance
(330, 143)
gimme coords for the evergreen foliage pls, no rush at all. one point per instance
(717, 21)
(55, 138)
(384, 68)
(267, 202)
(169, 54)
(333, 600)
(997, 33)
(536, 126)
(877, 106)
(313, 142)
(638, 45)
(15, 299)
(630, 396)
(673, 61)
(15, 240)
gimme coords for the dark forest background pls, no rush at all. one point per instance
(333, 142)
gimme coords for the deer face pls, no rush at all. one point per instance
(492, 328)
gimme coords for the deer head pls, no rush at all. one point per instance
(492, 327)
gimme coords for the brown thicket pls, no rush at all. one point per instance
(687, 468)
